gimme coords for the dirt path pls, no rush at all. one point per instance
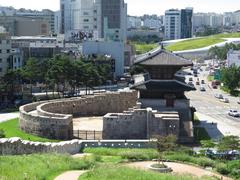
(180, 169)
(70, 175)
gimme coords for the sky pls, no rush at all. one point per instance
(140, 7)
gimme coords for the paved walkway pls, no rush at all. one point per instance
(8, 116)
(180, 169)
(70, 175)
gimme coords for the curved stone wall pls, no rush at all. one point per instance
(53, 119)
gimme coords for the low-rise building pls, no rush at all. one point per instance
(233, 58)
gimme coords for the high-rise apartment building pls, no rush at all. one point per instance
(178, 23)
(173, 24)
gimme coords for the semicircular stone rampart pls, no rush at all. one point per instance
(54, 119)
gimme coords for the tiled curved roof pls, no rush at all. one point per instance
(163, 85)
(164, 58)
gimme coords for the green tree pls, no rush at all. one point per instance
(164, 144)
(228, 143)
(230, 78)
(31, 71)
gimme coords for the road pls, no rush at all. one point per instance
(212, 112)
(8, 116)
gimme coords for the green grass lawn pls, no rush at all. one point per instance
(11, 129)
(201, 42)
(44, 166)
(120, 173)
(142, 48)
(193, 44)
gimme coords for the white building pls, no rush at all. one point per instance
(173, 24)
(94, 19)
(152, 23)
(233, 57)
(115, 49)
(80, 15)
(134, 22)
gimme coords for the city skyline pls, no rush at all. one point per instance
(150, 6)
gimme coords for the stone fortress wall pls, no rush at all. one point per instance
(54, 119)
(139, 123)
(17, 146)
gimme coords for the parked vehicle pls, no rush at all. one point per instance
(190, 83)
(202, 88)
(225, 100)
(190, 79)
(197, 83)
(233, 113)
(219, 96)
(202, 82)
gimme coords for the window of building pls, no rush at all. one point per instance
(86, 20)
(85, 13)
(0, 51)
(0, 69)
(0, 60)
(8, 50)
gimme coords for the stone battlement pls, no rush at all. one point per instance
(140, 124)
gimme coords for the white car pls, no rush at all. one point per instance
(219, 96)
(225, 100)
(233, 113)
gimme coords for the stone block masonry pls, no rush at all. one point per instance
(54, 119)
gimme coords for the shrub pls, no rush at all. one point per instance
(222, 169)
(134, 155)
(2, 134)
(204, 162)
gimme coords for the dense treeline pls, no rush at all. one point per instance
(221, 52)
(61, 73)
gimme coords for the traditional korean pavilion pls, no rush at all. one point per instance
(163, 90)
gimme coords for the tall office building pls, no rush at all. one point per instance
(186, 23)
(98, 18)
(5, 53)
(114, 19)
(178, 23)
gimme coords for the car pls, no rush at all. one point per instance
(225, 100)
(234, 113)
(190, 79)
(238, 102)
(195, 75)
(218, 96)
(190, 83)
(202, 82)
(189, 73)
(214, 86)
(197, 83)
(202, 88)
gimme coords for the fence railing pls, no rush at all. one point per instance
(87, 135)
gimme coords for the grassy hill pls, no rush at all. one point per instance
(201, 42)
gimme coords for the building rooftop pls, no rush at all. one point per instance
(164, 58)
(163, 85)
